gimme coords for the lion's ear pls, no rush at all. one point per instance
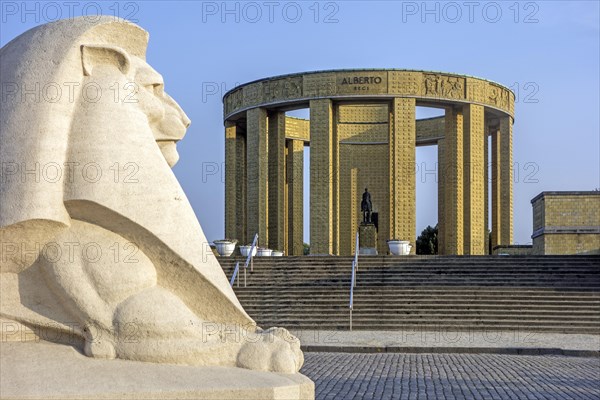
(104, 55)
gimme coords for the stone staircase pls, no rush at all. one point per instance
(529, 293)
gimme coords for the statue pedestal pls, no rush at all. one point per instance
(367, 239)
(52, 371)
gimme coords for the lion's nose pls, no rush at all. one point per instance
(184, 118)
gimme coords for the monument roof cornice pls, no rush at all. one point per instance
(337, 70)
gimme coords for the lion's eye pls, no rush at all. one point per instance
(156, 88)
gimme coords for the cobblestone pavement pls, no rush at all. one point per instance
(452, 376)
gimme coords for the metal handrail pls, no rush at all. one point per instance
(249, 260)
(235, 273)
(353, 280)
(356, 249)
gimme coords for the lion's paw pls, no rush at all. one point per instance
(99, 349)
(274, 349)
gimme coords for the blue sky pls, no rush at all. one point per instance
(547, 51)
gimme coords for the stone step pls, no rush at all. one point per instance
(319, 274)
(283, 263)
(306, 276)
(392, 263)
(408, 271)
(399, 299)
(378, 301)
(421, 302)
(311, 260)
(377, 268)
(495, 315)
(463, 308)
(488, 270)
(427, 290)
(421, 327)
(392, 316)
(550, 294)
(417, 286)
(592, 313)
(417, 268)
(424, 290)
(417, 295)
(590, 280)
(423, 285)
(423, 306)
(310, 278)
(410, 295)
(456, 322)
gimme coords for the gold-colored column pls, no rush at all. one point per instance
(402, 170)
(257, 174)
(496, 220)
(506, 182)
(321, 177)
(241, 210)
(277, 209)
(486, 209)
(502, 183)
(335, 179)
(235, 183)
(355, 214)
(440, 180)
(295, 195)
(474, 179)
(453, 180)
(230, 179)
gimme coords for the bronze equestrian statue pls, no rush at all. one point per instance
(366, 206)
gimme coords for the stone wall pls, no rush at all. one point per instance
(566, 223)
(513, 250)
(363, 143)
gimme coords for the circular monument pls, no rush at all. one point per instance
(362, 133)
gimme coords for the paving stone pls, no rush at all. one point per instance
(452, 376)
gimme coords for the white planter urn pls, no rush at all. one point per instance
(399, 247)
(277, 253)
(245, 250)
(264, 252)
(225, 248)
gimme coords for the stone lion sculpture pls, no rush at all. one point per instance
(100, 247)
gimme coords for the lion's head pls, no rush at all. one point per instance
(130, 81)
(90, 144)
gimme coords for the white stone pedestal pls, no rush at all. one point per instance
(52, 371)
